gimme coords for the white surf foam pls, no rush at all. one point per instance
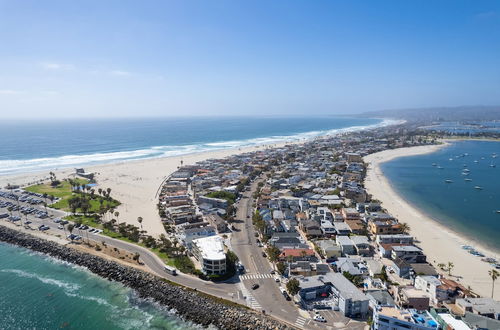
(71, 287)
(39, 164)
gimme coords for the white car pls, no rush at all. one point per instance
(277, 279)
(319, 318)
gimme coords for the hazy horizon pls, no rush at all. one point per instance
(153, 59)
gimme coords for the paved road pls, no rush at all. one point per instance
(267, 297)
(230, 290)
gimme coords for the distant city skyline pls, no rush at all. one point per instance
(63, 59)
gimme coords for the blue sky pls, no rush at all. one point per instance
(166, 58)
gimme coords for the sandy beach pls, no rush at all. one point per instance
(439, 243)
(134, 183)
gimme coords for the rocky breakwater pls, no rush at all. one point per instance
(192, 305)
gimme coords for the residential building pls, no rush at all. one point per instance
(480, 306)
(342, 228)
(217, 222)
(362, 245)
(330, 249)
(394, 239)
(393, 318)
(346, 245)
(336, 288)
(209, 251)
(408, 253)
(187, 235)
(409, 297)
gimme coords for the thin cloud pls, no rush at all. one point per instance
(51, 93)
(56, 66)
(120, 73)
(9, 92)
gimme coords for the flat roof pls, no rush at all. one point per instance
(344, 240)
(454, 323)
(211, 248)
(406, 248)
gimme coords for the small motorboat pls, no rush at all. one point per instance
(448, 181)
(467, 179)
(478, 188)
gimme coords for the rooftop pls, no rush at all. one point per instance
(211, 248)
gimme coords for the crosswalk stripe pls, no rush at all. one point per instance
(300, 321)
(251, 301)
(255, 276)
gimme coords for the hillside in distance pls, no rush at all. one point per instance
(439, 114)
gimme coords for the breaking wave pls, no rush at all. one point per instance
(14, 166)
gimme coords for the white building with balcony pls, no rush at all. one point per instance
(209, 251)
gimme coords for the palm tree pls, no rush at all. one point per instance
(117, 214)
(139, 219)
(405, 228)
(450, 267)
(441, 266)
(70, 229)
(494, 275)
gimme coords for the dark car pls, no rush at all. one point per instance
(264, 254)
(287, 296)
(255, 286)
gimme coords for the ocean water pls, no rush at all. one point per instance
(39, 292)
(48, 144)
(457, 205)
(467, 128)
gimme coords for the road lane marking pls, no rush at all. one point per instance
(300, 321)
(250, 299)
(255, 276)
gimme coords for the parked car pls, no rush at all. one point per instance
(255, 286)
(319, 318)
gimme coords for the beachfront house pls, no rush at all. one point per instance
(408, 253)
(440, 289)
(394, 239)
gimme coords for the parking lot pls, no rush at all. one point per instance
(28, 209)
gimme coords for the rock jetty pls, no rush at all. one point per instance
(194, 306)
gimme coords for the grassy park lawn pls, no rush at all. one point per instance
(64, 192)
